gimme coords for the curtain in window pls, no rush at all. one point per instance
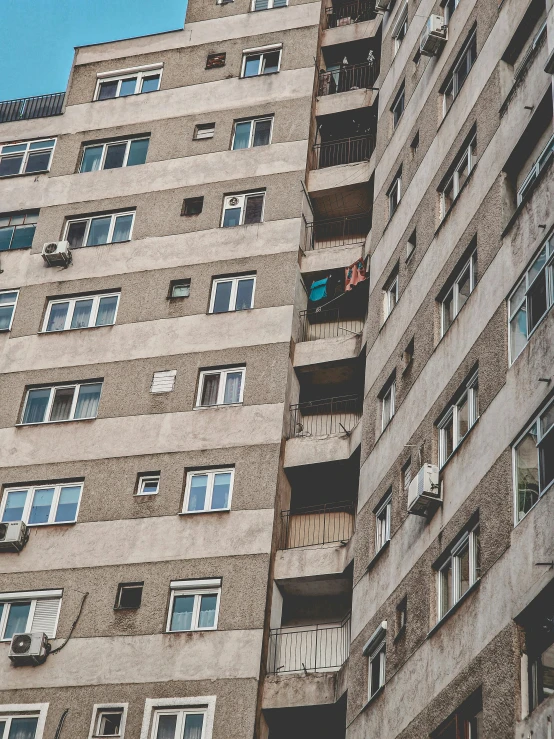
(137, 152)
(197, 496)
(242, 131)
(81, 313)
(166, 727)
(209, 390)
(206, 617)
(23, 728)
(61, 407)
(35, 408)
(261, 133)
(232, 387)
(76, 234)
(254, 205)
(56, 319)
(193, 726)
(122, 230)
(220, 495)
(244, 294)
(106, 311)
(87, 403)
(181, 619)
(91, 159)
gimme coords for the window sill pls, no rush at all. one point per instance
(191, 631)
(5, 330)
(373, 698)
(19, 248)
(267, 74)
(456, 199)
(454, 608)
(23, 174)
(196, 513)
(377, 556)
(219, 405)
(51, 423)
(71, 330)
(50, 523)
(92, 246)
(120, 97)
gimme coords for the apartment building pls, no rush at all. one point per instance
(277, 403)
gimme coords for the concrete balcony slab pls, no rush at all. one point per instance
(330, 179)
(314, 561)
(351, 32)
(318, 449)
(288, 691)
(343, 101)
(334, 349)
(333, 257)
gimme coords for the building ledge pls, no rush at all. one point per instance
(308, 562)
(317, 449)
(306, 689)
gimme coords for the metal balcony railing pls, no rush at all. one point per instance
(337, 231)
(309, 648)
(41, 106)
(328, 417)
(343, 151)
(347, 77)
(543, 159)
(344, 15)
(323, 524)
(327, 324)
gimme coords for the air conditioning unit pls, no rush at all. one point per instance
(434, 36)
(57, 253)
(29, 649)
(13, 536)
(424, 493)
(382, 5)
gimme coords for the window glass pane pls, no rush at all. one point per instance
(547, 660)
(448, 439)
(231, 217)
(67, 504)
(99, 230)
(209, 389)
(115, 154)
(222, 486)
(87, 402)
(254, 206)
(547, 420)
(536, 300)
(166, 727)
(106, 310)
(35, 408)
(463, 564)
(81, 313)
(23, 237)
(15, 505)
(122, 230)
(61, 407)
(518, 332)
(446, 589)
(375, 674)
(206, 617)
(537, 266)
(17, 622)
(10, 165)
(222, 296)
(38, 161)
(242, 135)
(2, 723)
(244, 294)
(252, 65)
(109, 724)
(181, 618)
(6, 313)
(128, 87)
(5, 238)
(463, 418)
(76, 234)
(7, 297)
(42, 503)
(232, 387)
(13, 148)
(150, 83)
(546, 450)
(271, 62)
(193, 726)
(92, 156)
(57, 316)
(42, 144)
(262, 132)
(527, 473)
(137, 152)
(197, 495)
(107, 90)
(464, 288)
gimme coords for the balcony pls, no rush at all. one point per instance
(343, 151)
(24, 109)
(317, 525)
(328, 324)
(343, 14)
(324, 234)
(346, 78)
(315, 648)
(325, 417)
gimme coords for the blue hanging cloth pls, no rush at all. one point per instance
(319, 290)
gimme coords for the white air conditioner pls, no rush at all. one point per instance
(382, 5)
(57, 253)
(13, 536)
(29, 649)
(424, 493)
(434, 36)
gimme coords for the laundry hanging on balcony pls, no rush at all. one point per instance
(318, 290)
(354, 274)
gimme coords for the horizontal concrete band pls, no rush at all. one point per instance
(170, 538)
(129, 436)
(208, 655)
(174, 103)
(161, 338)
(201, 169)
(178, 250)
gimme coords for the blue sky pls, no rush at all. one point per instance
(38, 36)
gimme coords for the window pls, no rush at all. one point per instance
(539, 644)
(465, 724)
(382, 522)
(8, 301)
(192, 206)
(221, 387)
(42, 504)
(106, 229)
(387, 404)
(461, 570)
(411, 245)
(194, 605)
(21, 725)
(458, 419)
(148, 484)
(390, 295)
(376, 650)
(26, 157)
(449, 8)
(163, 381)
(394, 193)
(179, 289)
(173, 723)
(530, 300)
(256, 62)
(204, 131)
(400, 28)
(128, 82)
(24, 612)
(17, 229)
(114, 155)
(108, 719)
(232, 293)
(241, 210)
(255, 132)
(406, 475)
(533, 462)
(401, 615)
(398, 106)
(463, 166)
(268, 4)
(457, 296)
(129, 595)
(408, 354)
(62, 403)
(208, 490)
(85, 311)
(459, 72)
(537, 167)
(414, 146)
(215, 60)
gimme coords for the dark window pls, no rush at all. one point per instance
(411, 245)
(17, 230)
(414, 146)
(466, 723)
(179, 289)
(192, 206)
(401, 615)
(215, 60)
(129, 595)
(254, 207)
(204, 131)
(397, 107)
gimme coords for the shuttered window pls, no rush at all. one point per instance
(163, 382)
(35, 611)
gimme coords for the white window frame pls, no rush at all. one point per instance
(390, 297)
(252, 122)
(124, 74)
(390, 393)
(270, 6)
(98, 709)
(105, 145)
(234, 290)
(470, 395)
(144, 480)
(198, 704)
(400, 98)
(221, 388)
(209, 490)
(24, 710)
(197, 588)
(453, 75)
(77, 387)
(395, 193)
(401, 24)
(535, 170)
(242, 198)
(466, 158)
(406, 475)
(383, 523)
(454, 291)
(89, 220)
(25, 155)
(33, 596)
(5, 305)
(470, 540)
(72, 302)
(31, 489)
(260, 50)
(376, 648)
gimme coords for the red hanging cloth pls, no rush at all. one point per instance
(354, 274)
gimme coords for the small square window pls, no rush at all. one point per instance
(149, 484)
(108, 720)
(192, 206)
(215, 60)
(401, 615)
(179, 289)
(129, 595)
(204, 131)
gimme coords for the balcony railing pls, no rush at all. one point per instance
(328, 417)
(41, 106)
(344, 151)
(543, 159)
(327, 324)
(323, 524)
(344, 15)
(337, 231)
(347, 77)
(309, 648)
